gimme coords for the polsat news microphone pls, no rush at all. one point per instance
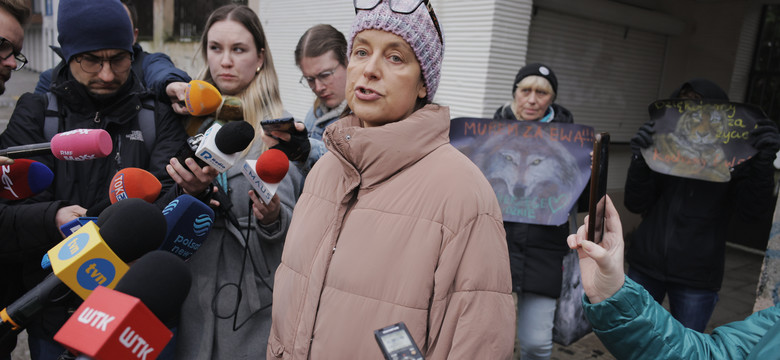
(131, 321)
(73, 145)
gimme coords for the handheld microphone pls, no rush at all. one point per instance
(130, 321)
(189, 222)
(24, 178)
(134, 183)
(73, 145)
(221, 144)
(201, 98)
(91, 257)
(266, 173)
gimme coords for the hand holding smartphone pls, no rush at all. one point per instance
(598, 188)
(282, 124)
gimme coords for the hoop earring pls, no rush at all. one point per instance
(258, 70)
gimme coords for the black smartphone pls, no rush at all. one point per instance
(396, 343)
(598, 188)
(282, 124)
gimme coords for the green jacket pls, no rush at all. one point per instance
(633, 326)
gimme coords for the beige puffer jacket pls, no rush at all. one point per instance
(394, 224)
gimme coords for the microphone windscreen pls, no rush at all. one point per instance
(272, 166)
(81, 144)
(134, 183)
(201, 98)
(189, 222)
(234, 136)
(161, 281)
(24, 178)
(131, 228)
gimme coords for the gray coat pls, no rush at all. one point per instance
(217, 266)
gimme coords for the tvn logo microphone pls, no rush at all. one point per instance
(83, 261)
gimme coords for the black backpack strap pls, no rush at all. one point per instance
(51, 122)
(146, 123)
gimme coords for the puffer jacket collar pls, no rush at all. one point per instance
(376, 154)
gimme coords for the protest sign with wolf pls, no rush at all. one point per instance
(537, 170)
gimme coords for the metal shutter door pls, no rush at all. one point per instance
(607, 74)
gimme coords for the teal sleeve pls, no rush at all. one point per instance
(632, 325)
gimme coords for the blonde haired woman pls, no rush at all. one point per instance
(227, 314)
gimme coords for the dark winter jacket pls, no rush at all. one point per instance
(536, 251)
(156, 71)
(682, 236)
(83, 183)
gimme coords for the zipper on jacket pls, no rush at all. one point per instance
(96, 120)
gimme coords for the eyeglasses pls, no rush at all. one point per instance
(324, 77)
(401, 7)
(93, 64)
(7, 49)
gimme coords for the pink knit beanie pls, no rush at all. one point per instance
(416, 28)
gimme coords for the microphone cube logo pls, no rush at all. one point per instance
(170, 207)
(95, 272)
(202, 225)
(118, 187)
(73, 246)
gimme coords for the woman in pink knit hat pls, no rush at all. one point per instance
(394, 224)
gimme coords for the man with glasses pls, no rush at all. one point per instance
(13, 14)
(96, 89)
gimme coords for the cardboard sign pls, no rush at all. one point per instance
(538, 170)
(700, 139)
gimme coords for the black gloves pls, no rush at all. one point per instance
(643, 138)
(297, 149)
(766, 139)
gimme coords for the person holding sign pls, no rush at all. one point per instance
(678, 248)
(631, 325)
(535, 251)
(394, 223)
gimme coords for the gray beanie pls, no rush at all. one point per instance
(90, 25)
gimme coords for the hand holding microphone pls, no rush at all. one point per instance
(73, 145)
(265, 174)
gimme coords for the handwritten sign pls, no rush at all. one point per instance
(538, 170)
(700, 139)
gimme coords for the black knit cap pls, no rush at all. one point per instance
(538, 70)
(705, 88)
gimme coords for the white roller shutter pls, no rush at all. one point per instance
(607, 74)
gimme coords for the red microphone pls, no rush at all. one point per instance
(130, 322)
(134, 183)
(73, 145)
(24, 178)
(266, 172)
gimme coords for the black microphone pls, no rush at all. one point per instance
(130, 322)
(217, 147)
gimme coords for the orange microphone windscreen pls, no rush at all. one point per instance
(272, 166)
(202, 98)
(134, 183)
